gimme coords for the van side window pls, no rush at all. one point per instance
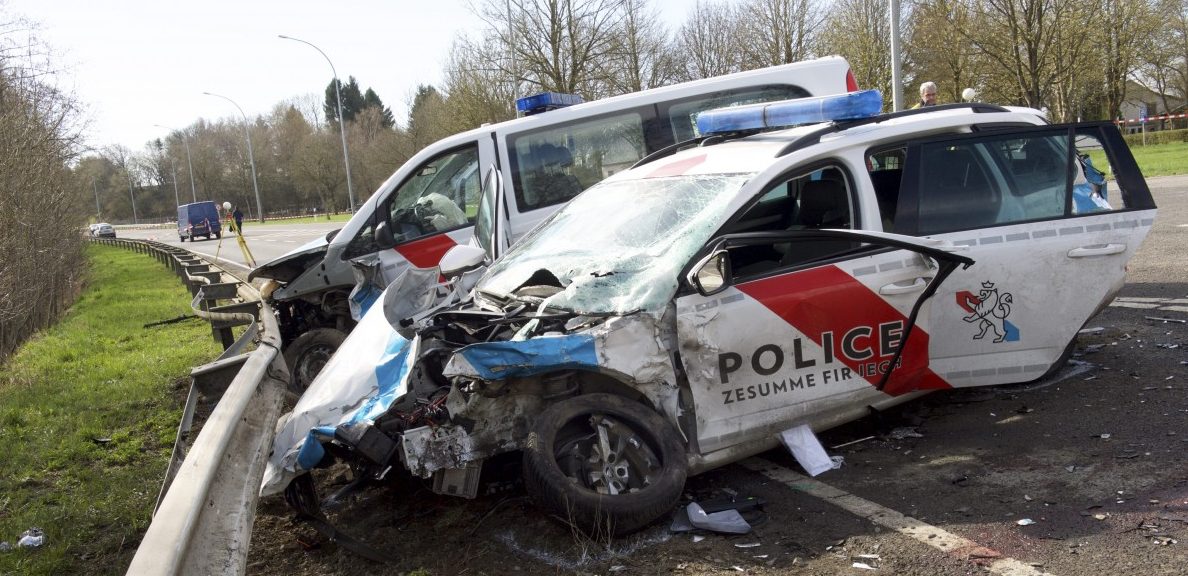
(683, 116)
(552, 166)
(441, 194)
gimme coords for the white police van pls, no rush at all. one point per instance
(685, 313)
(429, 204)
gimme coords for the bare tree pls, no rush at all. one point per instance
(860, 31)
(709, 40)
(778, 31)
(643, 55)
(556, 45)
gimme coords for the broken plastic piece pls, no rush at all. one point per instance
(807, 450)
(1159, 319)
(32, 538)
(726, 521)
(862, 566)
(1025, 522)
(905, 432)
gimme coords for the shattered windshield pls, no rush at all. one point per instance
(619, 246)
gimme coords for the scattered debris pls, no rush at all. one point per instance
(1100, 516)
(1160, 319)
(5, 546)
(1093, 330)
(1164, 541)
(1027, 498)
(1070, 468)
(837, 461)
(728, 521)
(807, 450)
(1103, 436)
(1025, 522)
(862, 566)
(844, 444)
(617, 568)
(32, 538)
(748, 545)
(1167, 346)
(905, 432)
(1024, 410)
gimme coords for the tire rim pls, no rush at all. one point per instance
(608, 457)
(311, 363)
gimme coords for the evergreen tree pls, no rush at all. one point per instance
(352, 100)
(372, 100)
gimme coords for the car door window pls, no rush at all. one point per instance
(440, 195)
(999, 179)
(814, 200)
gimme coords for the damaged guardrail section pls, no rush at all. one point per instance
(204, 515)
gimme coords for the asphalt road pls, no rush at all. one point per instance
(264, 241)
(1082, 474)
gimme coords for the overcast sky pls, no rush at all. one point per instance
(136, 63)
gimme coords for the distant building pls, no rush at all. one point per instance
(1139, 98)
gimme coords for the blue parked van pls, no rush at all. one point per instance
(198, 219)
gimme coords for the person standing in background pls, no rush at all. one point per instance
(927, 95)
(238, 216)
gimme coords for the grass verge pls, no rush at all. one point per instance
(1162, 159)
(88, 411)
(302, 220)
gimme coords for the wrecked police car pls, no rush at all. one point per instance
(680, 315)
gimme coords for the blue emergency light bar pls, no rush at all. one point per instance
(546, 101)
(850, 106)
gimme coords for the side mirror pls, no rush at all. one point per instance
(383, 236)
(461, 259)
(712, 274)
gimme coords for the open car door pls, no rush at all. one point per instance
(764, 353)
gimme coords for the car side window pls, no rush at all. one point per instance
(552, 166)
(885, 168)
(819, 199)
(442, 194)
(1003, 179)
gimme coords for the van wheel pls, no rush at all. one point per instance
(604, 464)
(218, 234)
(181, 238)
(308, 354)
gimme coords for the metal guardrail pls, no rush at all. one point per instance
(207, 505)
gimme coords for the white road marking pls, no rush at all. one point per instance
(936, 537)
(1145, 303)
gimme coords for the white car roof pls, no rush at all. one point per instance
(761, 151)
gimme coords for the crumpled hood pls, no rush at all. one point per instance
(288, 267)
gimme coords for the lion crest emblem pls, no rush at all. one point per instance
(989, 310)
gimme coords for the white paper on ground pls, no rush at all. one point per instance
(807, 450)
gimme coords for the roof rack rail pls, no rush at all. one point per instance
(815, 137)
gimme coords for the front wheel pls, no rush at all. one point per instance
(604, 464)
(308, 354)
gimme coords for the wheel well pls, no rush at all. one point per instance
(595, 383)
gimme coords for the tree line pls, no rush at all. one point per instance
(1077, 58)
(42, 266)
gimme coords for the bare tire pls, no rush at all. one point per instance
(309, 353)
(605, 464)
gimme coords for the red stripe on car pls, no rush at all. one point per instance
(828, 300)
(426, 252)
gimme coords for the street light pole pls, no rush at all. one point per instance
(135, 218)
(251, 156)
(341, 122)
(189, 162)
(176, 198)
(98, 212)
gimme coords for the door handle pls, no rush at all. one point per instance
(895, 288)
(1096, 250)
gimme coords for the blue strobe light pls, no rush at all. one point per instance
(850, 106)
(546, 101)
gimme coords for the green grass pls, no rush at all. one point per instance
(88, 412)
(303, 219)
(1162, 159)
